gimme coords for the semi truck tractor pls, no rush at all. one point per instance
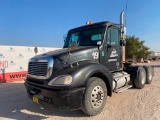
(89, 68)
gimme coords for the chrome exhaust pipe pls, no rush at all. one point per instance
(123, 36)
(121, 18)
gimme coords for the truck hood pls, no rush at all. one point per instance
(66, 56)
(65, 51)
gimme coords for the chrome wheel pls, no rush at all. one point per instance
(150, 76)
(97, 96)
(143, 81)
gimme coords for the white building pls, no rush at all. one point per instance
(155, 54)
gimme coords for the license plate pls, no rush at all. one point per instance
(35, 99)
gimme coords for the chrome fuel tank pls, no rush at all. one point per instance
(120, 79)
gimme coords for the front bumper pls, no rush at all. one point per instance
(58, 99)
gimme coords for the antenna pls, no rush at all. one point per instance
(126, 12)
(64, 19)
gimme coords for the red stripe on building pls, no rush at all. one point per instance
(12, 76)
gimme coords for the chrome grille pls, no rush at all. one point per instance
(38, 68)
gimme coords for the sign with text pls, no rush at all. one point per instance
(14, 60)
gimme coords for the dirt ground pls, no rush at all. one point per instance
(132, 104)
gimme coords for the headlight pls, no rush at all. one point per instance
(61, 81)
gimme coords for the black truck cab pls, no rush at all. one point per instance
(105, 36)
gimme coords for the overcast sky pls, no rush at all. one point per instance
(44, 22)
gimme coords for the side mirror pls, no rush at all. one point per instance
(99, 43)
(122, 43)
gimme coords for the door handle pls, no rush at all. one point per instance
(108, 47)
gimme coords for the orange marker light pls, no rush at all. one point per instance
(89, 22)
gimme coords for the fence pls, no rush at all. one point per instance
(14, 61)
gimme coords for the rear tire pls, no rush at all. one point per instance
(149, 74)
(95, 96)
(141, 79)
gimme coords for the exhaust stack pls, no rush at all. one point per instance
(121, 17)
(123, 35)
(123, 28)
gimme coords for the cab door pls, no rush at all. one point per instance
(113, 49)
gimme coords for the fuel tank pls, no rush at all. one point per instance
(120, 79)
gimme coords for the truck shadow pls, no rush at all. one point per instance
(15, 104)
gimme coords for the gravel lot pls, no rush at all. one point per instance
(132, 104)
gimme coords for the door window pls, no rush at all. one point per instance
(112, 36)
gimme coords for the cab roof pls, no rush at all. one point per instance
(104, 23)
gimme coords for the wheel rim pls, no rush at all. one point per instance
(97, 96)
(150, 75)
(143, 81)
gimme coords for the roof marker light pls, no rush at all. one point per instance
(89, 22)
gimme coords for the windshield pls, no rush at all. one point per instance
(87, 37)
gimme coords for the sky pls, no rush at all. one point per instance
(45, 22)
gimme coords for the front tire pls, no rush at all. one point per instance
(95, 96)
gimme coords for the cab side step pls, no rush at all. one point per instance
(119, 90)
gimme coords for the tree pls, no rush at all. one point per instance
(135, 48)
